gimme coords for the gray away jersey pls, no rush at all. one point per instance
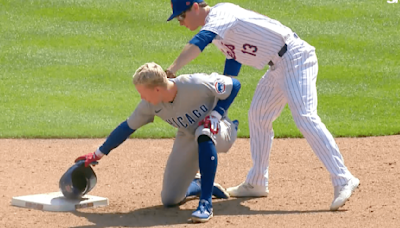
(196, 97)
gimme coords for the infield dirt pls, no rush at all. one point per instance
(131, 177)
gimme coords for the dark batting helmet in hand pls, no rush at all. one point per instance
(77, 181)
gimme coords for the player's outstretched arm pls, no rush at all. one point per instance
(193, 49)
(188, 53)
(116, 138)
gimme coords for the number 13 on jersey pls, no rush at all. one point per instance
(246, 49)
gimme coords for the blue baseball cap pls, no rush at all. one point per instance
(179, 6)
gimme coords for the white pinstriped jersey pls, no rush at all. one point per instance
(246, 36)
(253, 39)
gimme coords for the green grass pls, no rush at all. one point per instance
(66, 65)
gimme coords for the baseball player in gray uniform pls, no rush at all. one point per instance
(247, 37)
(195, 104)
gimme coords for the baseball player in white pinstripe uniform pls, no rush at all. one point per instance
(247, 37)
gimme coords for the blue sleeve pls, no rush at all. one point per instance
(223, 105)
(117, 136)
(202, 39)
(232, 67)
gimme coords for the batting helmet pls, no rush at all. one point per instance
(77, 181)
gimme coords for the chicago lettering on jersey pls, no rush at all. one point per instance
(189, 118)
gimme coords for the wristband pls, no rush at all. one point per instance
(216, 114)
(98, 153)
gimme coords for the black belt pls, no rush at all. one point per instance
(280, 53)
(283, 50)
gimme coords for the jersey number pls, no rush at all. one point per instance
(246, 49)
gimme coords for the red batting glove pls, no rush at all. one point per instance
(211, 122)
(90, 158)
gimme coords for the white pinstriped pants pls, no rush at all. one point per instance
(291, 81)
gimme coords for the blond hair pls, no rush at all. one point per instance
(150, 75)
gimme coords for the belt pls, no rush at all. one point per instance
(283, 50)
(280, 53)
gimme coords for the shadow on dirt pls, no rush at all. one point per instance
(160, 215)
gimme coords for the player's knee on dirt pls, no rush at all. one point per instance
(169, 200)
(203, 138)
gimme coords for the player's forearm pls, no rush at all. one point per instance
(188, 53)
(223, 105)
(117, 136)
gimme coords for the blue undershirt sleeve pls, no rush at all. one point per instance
(202, 39)
(223, 105)
(117, 136)
(232, 67)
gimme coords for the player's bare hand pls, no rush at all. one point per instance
(211, 122)
(170, 74)
(90, 159)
